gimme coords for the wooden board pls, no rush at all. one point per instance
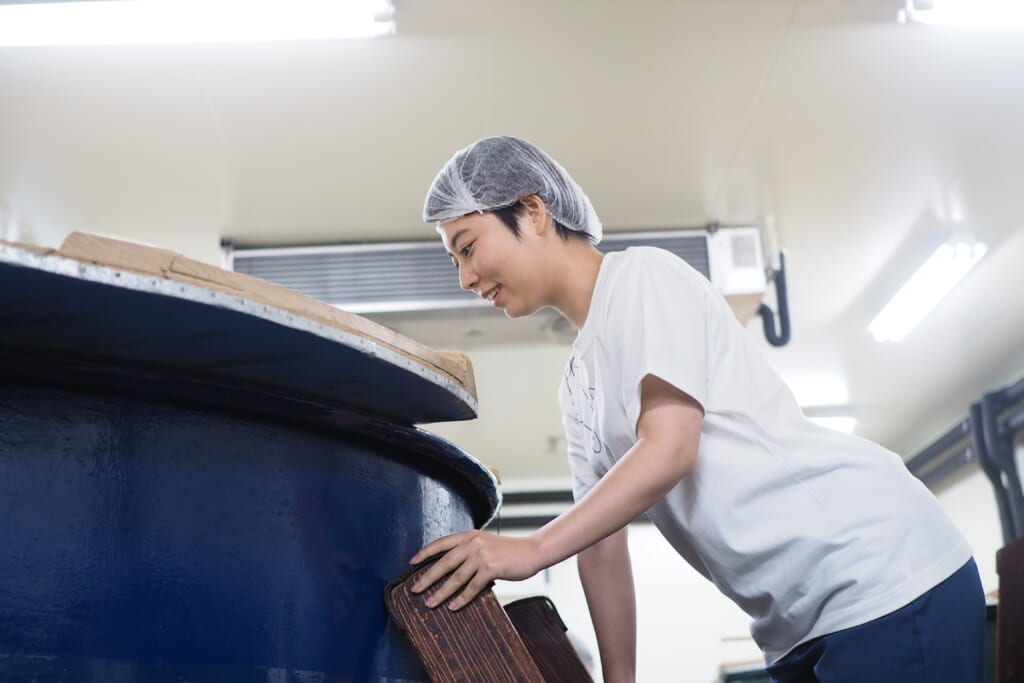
(544, 634)
(107, 251)
(475, 644)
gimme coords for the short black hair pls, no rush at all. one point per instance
(511, 214)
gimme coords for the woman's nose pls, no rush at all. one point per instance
(467, 277)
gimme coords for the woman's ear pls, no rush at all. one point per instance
(536, 212)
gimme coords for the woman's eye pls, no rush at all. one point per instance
(465, 250)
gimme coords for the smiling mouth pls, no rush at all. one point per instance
(491, 294)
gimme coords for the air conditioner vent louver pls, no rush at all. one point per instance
(411, 276)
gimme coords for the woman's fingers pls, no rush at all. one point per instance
(473, 589)
(473, 560)
(459, 560)
(439, 546)
(448, 563)
(462, 576)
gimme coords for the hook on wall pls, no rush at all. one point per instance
(781, 336)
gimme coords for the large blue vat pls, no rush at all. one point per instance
(162, 523)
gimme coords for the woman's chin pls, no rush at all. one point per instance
(514, 312)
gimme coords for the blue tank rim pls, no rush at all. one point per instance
(429, 453)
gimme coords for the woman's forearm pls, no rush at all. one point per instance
(641, 478)
(607, 577)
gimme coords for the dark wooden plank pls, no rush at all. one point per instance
(544, 633)
(475, 644)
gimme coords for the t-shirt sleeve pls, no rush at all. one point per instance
(577, 443)
(658, 325)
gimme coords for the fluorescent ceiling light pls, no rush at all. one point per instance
(119, 22)
(964, 12)
(926, 287)
(842, 423)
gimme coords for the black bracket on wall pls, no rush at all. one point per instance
(778, 337)
(996, 453)
(987, 436)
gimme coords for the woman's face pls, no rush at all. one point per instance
(494, 264)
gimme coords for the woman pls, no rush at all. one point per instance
(847, 565)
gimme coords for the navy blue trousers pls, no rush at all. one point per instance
(938, 638)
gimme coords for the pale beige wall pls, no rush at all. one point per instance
(520, 425)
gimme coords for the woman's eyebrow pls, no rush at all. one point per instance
(454, 241)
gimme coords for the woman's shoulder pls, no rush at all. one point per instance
(654, 263)
(638, 275)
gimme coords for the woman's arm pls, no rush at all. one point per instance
(607, 578)
(668, 437)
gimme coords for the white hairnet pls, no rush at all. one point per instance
(495, 172)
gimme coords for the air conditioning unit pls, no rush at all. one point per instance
(412, 287)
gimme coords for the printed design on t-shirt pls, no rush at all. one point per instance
(585, 406)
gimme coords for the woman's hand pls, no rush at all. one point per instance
(477, 558)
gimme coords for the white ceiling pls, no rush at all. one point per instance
(856, 140)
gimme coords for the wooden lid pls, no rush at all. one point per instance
(286, 334)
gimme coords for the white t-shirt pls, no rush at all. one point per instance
(807, 529)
